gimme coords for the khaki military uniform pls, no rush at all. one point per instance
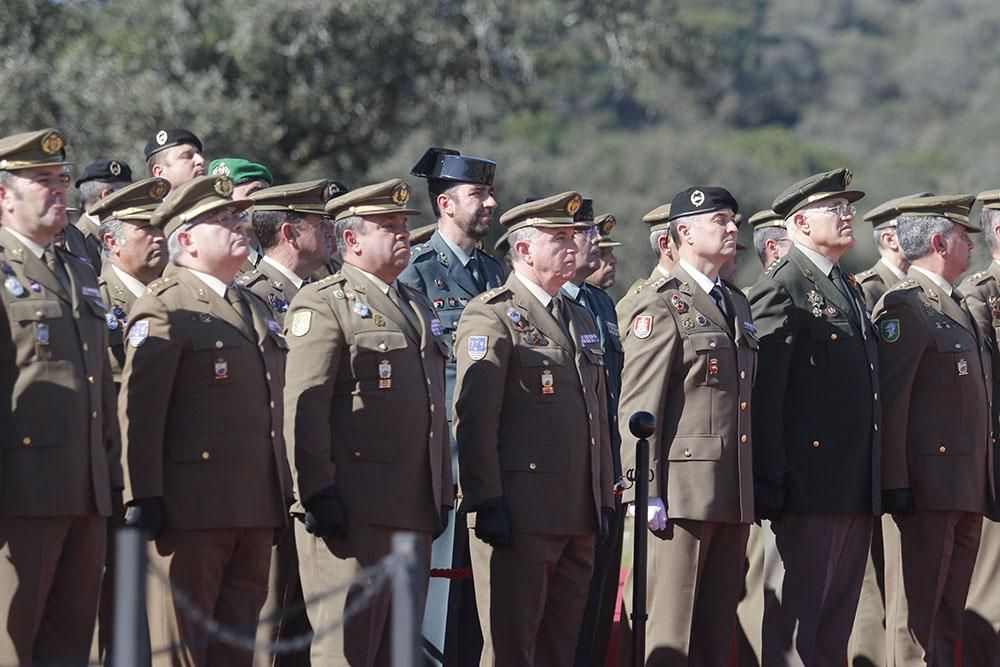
(94, 246)
(532, 428)
(692, 367)
(272, 286)
(201, 414)
(119, 299)
(365, 411)
(875, 282)
(59, 456)
(624, 306)
(936, 378)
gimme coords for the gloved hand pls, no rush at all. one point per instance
(898, 502)
(656, 514)
(325, 514)
(493, 524)
(769, 496)
(445, 512)
(148, 514)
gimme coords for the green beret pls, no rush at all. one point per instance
(41, 148)
(813, 189)
(240, 170)
(390, 196)
(193, 200)
(884, 215)
(952, 207)
(305, 197)
(766, 218)
(555, 211)
(133, 202)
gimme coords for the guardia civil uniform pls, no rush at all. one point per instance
(450, 278)
(356, 359)
(535, 458)
(201, 413)
(933, 362)
(690, 362)
(817, 450)
(60, 472)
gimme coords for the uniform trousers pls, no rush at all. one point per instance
(694, 579)
(223, 573)
(283, 616)
(531, 597)
(598, 615)
(50, 583)
(814, 565)
(866, 647)
(750, 610)
(981, 625)
(929, 558)
(327, 565)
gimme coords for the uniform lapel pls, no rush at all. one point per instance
(278, 280)
(425, 325)
(458, 273)
(538, 315)
(379, 301)
(821, 281)
(32, 267)
(120, 294)
(702, 302)
(214, 303)
(942, 302)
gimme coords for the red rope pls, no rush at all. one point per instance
(449, 573)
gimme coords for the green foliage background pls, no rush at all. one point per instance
(627, 101)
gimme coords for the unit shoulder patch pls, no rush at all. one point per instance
(301, 322)
(889, 330)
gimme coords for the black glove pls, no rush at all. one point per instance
(149, 514)
(769, 497)
(493, 523)
(898, 502)
(607, 523)
(326, 515)
(445, 511)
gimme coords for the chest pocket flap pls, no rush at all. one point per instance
(34, 309)
(380, 341)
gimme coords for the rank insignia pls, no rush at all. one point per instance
(679, 304)
(384, 374)
(514, 315)
(452, 303)
(889, 330)
(687, 323)
(436, 326)
(830, 311)
(301, 322)
(438, 304)
(463, 302)
(13, 286)
(439, 283)
(548, 383)
(589, 338)
(963, 367)
(206, 318)
(713, 366)
(279, 304)
(221, 369)
(378, 320)
(35, 287)
(613, 329)
(443, 258)
(339, 294)
(138, 333)
(642, 326)
(111, 321)
(701, 320)
(42, 334)
(362, 309)
(478, 347)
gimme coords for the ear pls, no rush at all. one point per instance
(6, 198)
(287, 232)
(801, 222)
(109, 242)
(156, 169)
(684, 231)
(351, 241)
(521, 249)
(445, 204)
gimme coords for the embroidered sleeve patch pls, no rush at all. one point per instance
(889, 330)
(478, 346)
(301, 322)
(138, 333)
(642, 327)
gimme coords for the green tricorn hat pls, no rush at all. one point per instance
(658, 218)
(884, 215)
(816, 187)
(555, 211)
(193, 200)
(41, 148)
(240, 170)
(953, 207)
(304, 197)
(390, 196)
(133, 202)
(766, 218)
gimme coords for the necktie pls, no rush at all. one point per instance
(478, 274)
(404, 308)
(837, 276)
(233, 297)
(718, 298)
(558, 310)
(56, 267)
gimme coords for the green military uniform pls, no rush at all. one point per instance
(880, 277)
(658, 219)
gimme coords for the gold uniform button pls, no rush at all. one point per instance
(876, 395)
(744, 438)
(85, 347)
(26, 441)
(90, 379)
(38, 313)
(383, 347)
(815, 444)
(93, 415)
(590, 416)
(357, 455)
(743, 405)
(432, 407)
(871, 366)
(958, 346)
(431, 435)
(219, 344)
(743, 375)
(272, 434)
(268, 375)
(532, 466)
(711, 343)
(833, 336)
(687, 453)
(272, 405)
(205, 456)
(876, 427)
(545, 362)
(942, 449)
(593, 442)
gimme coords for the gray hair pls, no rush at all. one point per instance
(354, 223)
(174, 249)
(763, 235)
(914, 233)
(90, 191)
(877, 235)
(517, 236)
(654, 240)
(6, 178)
(114, 227)
(988, 219)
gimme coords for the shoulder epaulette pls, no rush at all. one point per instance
(982, 277)
(420, 250)
(486, 297)
(774, 266)
(160, 285)
(332, 279)
(903, 286)
(248, 279)
(865, 275)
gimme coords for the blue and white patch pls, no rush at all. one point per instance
(362, 309)
(90, 291)
(138, 333)
(613, 329)
(436, 328)
(478, 346)
(588, 338)
(514, 316)
(111, 320)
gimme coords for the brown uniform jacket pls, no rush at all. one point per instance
(982, 297)
(272, 287)
(200, 406)
(531, 413)
(365, 402)
(624, 306)
(119, 299)
(59, 436)
(874, 283)
(935, 379)
(693, 368)
(83, 241)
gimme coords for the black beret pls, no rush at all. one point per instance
(108, 171)
(446, 164)
(164, 139)
(586, 211)
(816, 187)
(701, 199)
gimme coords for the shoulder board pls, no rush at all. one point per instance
(160, 285)
(774, 266)
(337, 278)
(248, 279)
(486, 297)
(661, 283)
(865, 275)
(981, 278)
(420, 249)
(903, 286)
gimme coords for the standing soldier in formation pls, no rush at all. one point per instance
(937, 474)
(534, 451)
(770, 237)
(365, 350)
(604, 277)
(690, 354)
(892, 265)
(451, 269)
(664, 250)
(61, 475)
(816, 441)
(248, 177)
(99, 179)
(200, 408)
(176, 155)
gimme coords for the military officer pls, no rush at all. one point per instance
(981, 625)
(297, 238)
(61, 474)
(201, 412)
(604, 277)
(816, 448)
(176, 155)
(451, 268)
(663, 248)
(136, 253)
(770, 238)
(534, 450)
(248, 177)
(332, 266)
(892, 265)
(364, 347)
(936, 473)
(690, 353)
(99, 179)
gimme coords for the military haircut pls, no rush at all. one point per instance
(6, 178)
(267, 226)
(877, 235)
(90, 191)
(155, 158)
(440, 187)
(115, 228)
(352, 222)
(914, 233)
(517, 236)
(988, 219)
(654, 239)
(762, 235)
(174, 250)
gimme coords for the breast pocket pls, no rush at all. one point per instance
(215, 349)
(714, 358)
(956, 356)
(543, 370)
(35, 320)
(371, 349)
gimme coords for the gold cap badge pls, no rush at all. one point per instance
(573, 205)
(224, 186)
(401, 194)
(52, 143)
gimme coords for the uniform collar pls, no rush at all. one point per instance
(36, 250)
(821, 262)
(572, 289)
(892, 267)
(378, 282)
(213, 283)
(283, 270)
(665, 272)
(704, 282)
(945, 286)
(133, 284)
(536, 291)
(462, 256)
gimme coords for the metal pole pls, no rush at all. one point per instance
(642, 425)
(404, 611)
(130, 644)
